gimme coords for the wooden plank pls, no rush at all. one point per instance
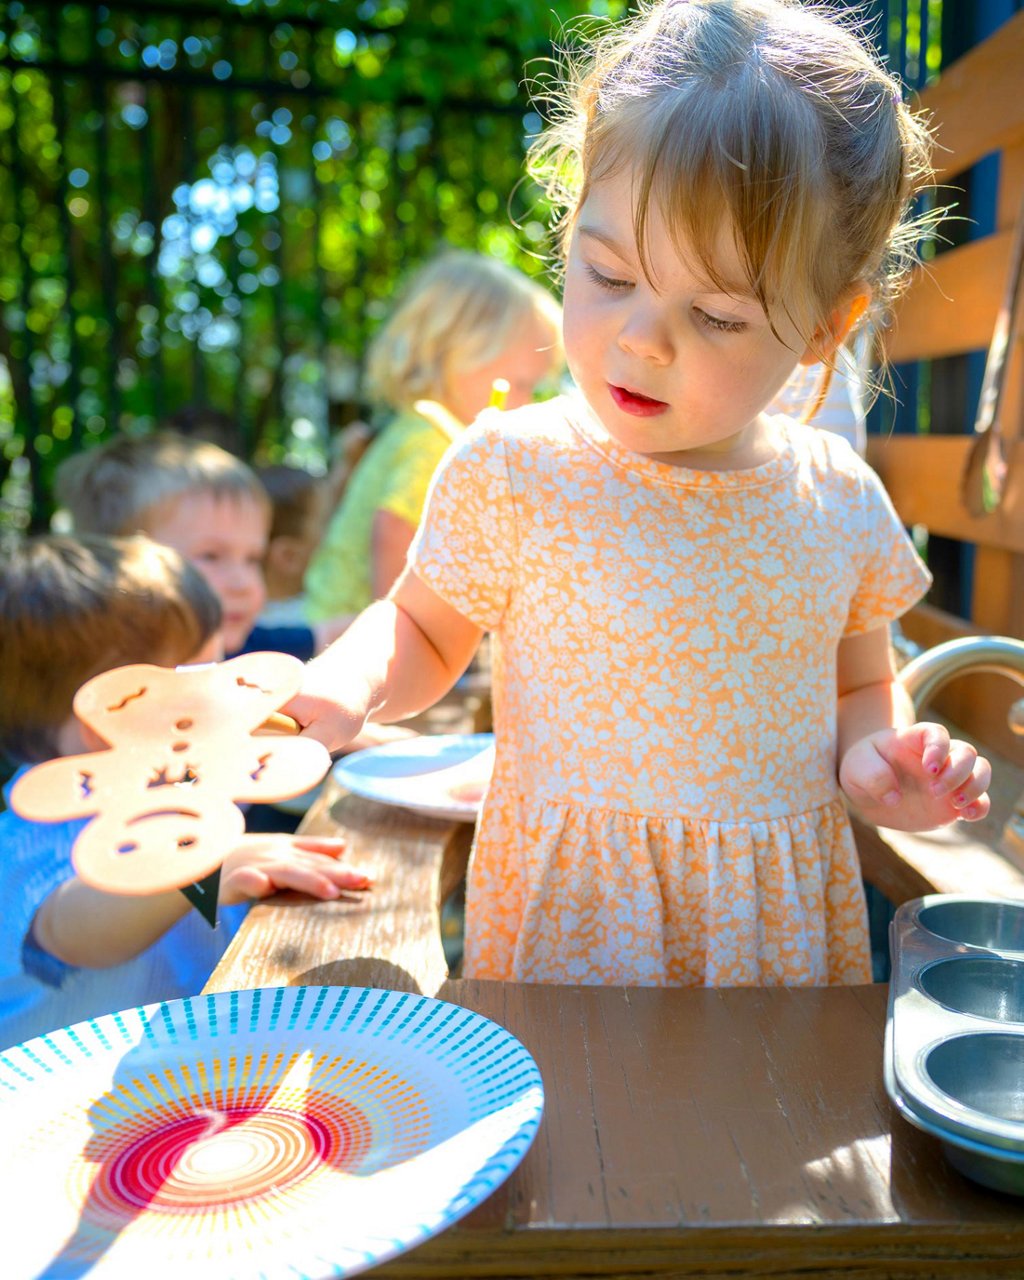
(391, 938)
(922, 475)
(696, 1132)
(951, 303)
(977, 104)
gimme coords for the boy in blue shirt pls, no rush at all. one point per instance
(69, 609)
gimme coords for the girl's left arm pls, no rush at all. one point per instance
(895, 772)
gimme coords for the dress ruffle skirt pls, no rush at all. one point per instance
(593, 896)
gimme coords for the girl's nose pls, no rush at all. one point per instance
(646, 338)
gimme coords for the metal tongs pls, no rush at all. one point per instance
(984, 479)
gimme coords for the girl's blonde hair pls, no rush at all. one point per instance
(769, 116)
(457, 312)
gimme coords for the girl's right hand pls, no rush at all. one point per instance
(322, 712)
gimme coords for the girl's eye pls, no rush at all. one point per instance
(603, 281)
(718, 324)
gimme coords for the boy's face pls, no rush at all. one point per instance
(225, 537)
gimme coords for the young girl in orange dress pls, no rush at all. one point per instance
(689, 598)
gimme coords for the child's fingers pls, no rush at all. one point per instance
(246, 883)
(973, 793)
(317, 882)
(873, 781)
(331, 846)
(930, 741)
(958, 769)
(977, 810)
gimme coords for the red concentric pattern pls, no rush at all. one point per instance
(229, 1156)
(247, 1137)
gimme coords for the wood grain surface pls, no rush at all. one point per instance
(686, 1132)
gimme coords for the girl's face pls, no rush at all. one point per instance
(225, 538)
(675, 370)
(525, 362)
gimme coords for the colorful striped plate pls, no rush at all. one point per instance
(288, 1131)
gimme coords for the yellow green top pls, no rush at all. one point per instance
(393, 475)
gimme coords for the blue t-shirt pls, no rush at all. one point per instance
(40, 993)
(298, 641)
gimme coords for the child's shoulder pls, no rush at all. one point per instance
(544, 428)
(826, 455)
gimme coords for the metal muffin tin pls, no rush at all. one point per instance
(954, 1040)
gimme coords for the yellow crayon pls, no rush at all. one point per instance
(499, 393)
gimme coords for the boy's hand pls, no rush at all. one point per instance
(262, 865)
(915, 779)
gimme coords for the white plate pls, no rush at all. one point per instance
(288, 1133)
(414, 773)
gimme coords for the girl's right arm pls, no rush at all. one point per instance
(399, 657)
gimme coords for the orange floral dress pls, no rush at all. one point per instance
(664, 807)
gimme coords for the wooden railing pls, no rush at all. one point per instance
(977, 108)
(950, 309)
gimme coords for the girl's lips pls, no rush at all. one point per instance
(632, 402)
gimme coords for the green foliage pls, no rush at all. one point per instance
(215, 202)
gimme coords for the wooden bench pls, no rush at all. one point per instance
(977, 108)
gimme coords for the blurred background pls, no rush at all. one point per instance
(212, 202)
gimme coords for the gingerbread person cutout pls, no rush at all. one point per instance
(182, 752)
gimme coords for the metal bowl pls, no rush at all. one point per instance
(979, 985)
(977, 923)
(983, 1072)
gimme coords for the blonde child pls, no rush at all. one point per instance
(689, 598)
(463, 321)
(69, 609)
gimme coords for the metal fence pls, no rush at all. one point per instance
(203, 205)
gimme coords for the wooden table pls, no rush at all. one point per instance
(685, 1133)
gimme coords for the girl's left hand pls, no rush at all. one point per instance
(915, 779)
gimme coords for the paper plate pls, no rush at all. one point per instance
(412, 773)
(289, 1131)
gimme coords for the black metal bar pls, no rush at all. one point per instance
(231, 139)
(151, 285)
(268, 21)
(27, 403)
(320, 291)
(188, 135)
(277, 256)
(60, 115)
(105, 72)
(108, 269)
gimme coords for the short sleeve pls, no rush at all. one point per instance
(893, 577)
(37, 860)
(466, 547)
(409, 481)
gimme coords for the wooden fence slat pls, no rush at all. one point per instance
(922, 475)
(951, 303)
(977, 102)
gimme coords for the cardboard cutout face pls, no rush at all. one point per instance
(182, 753)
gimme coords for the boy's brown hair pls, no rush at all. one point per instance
(73, 607)
(119, 486)
(296, 498)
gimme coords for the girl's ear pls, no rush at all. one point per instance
(845, 317)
